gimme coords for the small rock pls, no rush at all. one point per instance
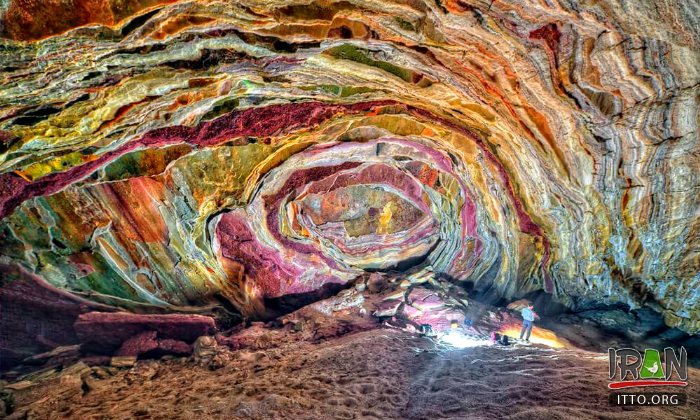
(123, 361)
(399, 294)
(139, 344)
(377, 283)
(71, 385)
(96, 360)
(100, 372)
(220, 360)
(205, 349)
(205, 341)
(7, 402)
(58, 353)
(387, 308)
(141, 412)
(17, 386)
(90, 383)
(149, 372)
(40, 375)
(346, 299)
(248, 356)
(175, 347)
(244, 410)
(79, 369)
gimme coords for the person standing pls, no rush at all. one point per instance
(528, 317)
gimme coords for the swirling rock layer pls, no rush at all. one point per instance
(194, 155)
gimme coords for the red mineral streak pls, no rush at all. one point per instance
(266, 269)
(373, 174)
(137, 219)
(262, 122)
(526, 223)
(297, 180)
(550, 34)
(239, 244)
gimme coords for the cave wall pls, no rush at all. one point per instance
(171, 157)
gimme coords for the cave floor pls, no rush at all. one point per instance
(376, 374)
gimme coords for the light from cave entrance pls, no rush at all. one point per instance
(458, 339)
(538, 336)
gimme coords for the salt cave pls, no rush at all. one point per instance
(319, 209)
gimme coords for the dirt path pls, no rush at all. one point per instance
(379, 374)
(523, 383)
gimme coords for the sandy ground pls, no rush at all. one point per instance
(378, 374)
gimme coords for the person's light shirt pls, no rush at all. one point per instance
(528, 314)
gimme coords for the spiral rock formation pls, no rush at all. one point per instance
(180, 156)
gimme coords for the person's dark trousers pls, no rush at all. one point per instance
(527, 326)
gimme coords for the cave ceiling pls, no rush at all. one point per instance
(171, 156)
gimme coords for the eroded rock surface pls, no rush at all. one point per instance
(243, 158)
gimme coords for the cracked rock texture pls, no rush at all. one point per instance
(208, 156)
